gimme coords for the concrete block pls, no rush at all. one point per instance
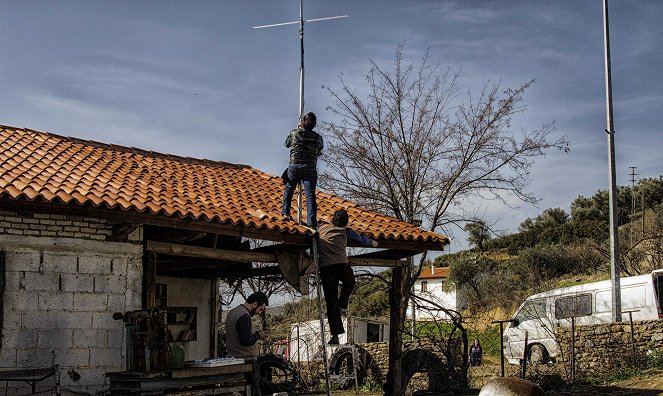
(90, 338)
(96, 237)
(23, 261)
(8, 357)
(57, 301)
(11, 319)
(20, 300)
(13, 231)
(32, 232)
(55, 338)
(42, 281)
(72, 357)
(104, 357)
(61, 262)
(14, 280)
(116, 302)
(115, 339)
(34, 357)
(74, 320)
(65, 234)
(89, 264)
(78, 283)
(20, 338)
(39, 320)
(119, 266)
(105, 321)
(86, 380)
(109, 283)
(133, 300)
(91, 302)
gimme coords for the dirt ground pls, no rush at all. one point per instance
(650, 384)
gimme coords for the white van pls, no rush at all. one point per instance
(590, 303)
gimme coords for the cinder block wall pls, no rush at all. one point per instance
(63, 281)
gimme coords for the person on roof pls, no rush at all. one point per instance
(305, 147)
(334, 267)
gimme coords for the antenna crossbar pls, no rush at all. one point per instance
(296, 22)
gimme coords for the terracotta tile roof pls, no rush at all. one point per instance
(434, 272)
(38, 166)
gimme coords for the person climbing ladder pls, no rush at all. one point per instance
(305, 147)
(334, 267)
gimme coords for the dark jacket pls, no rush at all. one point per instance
(241, 340)
(305, 146)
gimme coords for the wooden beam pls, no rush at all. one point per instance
(174, 249)
(374, 262)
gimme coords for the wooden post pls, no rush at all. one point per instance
(573, 349)
(502, 348)
(397, 311)
(630, 320)
(525, 353)
(149, 280)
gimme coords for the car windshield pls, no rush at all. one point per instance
(533, 309)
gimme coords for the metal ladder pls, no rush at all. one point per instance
(327, 358)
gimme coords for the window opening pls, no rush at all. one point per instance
(533, 309)
(573, 306)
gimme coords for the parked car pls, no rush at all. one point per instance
(591, 303)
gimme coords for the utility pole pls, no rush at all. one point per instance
(632, 174)
(614, 235)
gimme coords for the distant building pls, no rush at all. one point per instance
(431, 286)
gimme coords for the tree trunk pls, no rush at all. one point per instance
(398, 298)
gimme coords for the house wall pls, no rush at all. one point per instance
(436, 293)
(193, 293)
(63, 282)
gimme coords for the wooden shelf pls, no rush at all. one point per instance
(182, 323)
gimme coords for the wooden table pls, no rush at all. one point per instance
(222, 380)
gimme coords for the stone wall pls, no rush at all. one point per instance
(604, 348)
(63, 281)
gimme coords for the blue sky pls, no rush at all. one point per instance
(194, 79)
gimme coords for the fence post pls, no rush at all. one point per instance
(525, 356)
(630, 320)
(573, 349)
(501, 322)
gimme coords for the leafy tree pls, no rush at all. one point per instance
(477, 233)
(407, 150)
(552, 217)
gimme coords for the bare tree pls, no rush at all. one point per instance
(405, 149)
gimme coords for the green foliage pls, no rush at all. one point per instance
(477, 233)
(545, 262)
(655, 360)
(370, 299)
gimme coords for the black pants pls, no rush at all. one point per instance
(253, 378)
(331, 276)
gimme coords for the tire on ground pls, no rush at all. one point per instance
(341, 364)
(268, 365)
(538, 354)
(423, 361)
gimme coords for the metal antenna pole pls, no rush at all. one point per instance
(301, 77)
(614, 236)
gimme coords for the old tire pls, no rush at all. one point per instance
(341, 364)
(538, 354)
(276, 374)
(423, 361)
